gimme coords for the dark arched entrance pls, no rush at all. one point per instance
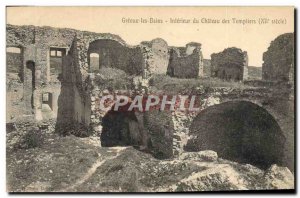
(120, 128)
(239, 131)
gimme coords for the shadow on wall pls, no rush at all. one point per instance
(239, 131)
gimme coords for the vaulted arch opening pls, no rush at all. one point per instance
(239, 131)
(120, 128)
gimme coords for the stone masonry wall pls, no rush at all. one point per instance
(35, 43)
(230, 64)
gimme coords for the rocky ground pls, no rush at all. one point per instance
(45, 162)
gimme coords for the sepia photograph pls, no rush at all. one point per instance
(150, 99)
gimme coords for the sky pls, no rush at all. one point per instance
(250, 36)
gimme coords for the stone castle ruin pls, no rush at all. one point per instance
(47, 60)
(61, 74)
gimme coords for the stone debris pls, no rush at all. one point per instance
(72, 158)
(38, 187)
(277, 177)
(207, 155)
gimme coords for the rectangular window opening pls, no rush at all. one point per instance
(56, 57)
(47, 101)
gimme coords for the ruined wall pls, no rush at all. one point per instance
(115, 54)
(230, 64)
(14, 85)
(36, 43)
(14, 95)
(71, 83)
(83, 41)
(186, 62)
(279, 59)
(67, 71)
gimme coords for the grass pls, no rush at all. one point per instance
(113, 79)
(33, 139)
(167, 83)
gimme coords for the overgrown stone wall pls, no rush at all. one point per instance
(279, 59)
(230, 64)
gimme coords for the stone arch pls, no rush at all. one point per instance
(261, 103)
(240, 131)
